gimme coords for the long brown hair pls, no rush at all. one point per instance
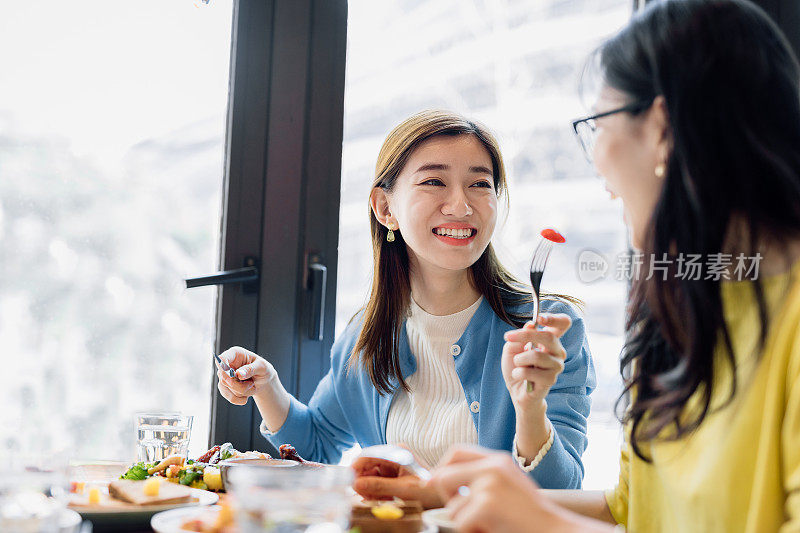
(377, 347)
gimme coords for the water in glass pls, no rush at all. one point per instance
(160, 435)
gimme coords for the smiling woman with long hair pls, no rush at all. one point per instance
(424, 364)
(697, 130)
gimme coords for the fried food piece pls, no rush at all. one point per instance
(289, 453)
(169, 461)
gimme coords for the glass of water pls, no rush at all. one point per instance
(159, 435)
(292, 500)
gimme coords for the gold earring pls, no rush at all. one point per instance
(390, 234)
(660, 170)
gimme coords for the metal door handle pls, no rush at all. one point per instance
(247, 276)
(316, 282)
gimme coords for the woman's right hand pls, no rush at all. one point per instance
(486, 491)
(377, 479)
(255, 376)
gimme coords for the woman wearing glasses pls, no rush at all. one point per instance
(697, 130)
(423, 364)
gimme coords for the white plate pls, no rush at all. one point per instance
(439, 518)
(130, 516)
(170, 521)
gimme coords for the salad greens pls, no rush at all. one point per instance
(226, 451)
(138, 471)
(190, 474)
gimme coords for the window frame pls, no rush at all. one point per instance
(281, 193)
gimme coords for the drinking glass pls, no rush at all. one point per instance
(292, 500)
(159, 435)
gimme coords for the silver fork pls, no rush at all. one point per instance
(224, 366)
(540, 255)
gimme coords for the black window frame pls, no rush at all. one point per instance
(281, 195)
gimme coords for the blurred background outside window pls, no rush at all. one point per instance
(112, 126)
(515, 66)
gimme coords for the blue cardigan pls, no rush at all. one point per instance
(346, 408)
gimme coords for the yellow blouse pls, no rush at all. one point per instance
(740, 470)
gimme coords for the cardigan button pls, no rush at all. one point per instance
(455, 350)
(475, 407)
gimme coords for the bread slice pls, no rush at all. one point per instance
(133, 492)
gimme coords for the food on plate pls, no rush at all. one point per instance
(199, 474)
(151, 487)
(387, 511)
(141, 493)
(172, 460)
(217, 519)
(212, 478)
(211, 456)
(288, 453)
(94, 495)
(91, 492)
(126, 494)
(397, 516)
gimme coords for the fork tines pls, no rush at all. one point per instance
(538, 263)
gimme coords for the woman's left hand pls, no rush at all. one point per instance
(486, 491)
(377, 479)
(535, 356)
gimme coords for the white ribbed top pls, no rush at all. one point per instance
(435, 414)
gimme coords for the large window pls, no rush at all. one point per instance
(513, 65)
(112, 130)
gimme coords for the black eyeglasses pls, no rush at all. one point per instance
(586, 128)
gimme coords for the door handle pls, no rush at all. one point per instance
(248, 276)
(316, 282)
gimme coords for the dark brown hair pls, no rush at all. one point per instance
(730, 84)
